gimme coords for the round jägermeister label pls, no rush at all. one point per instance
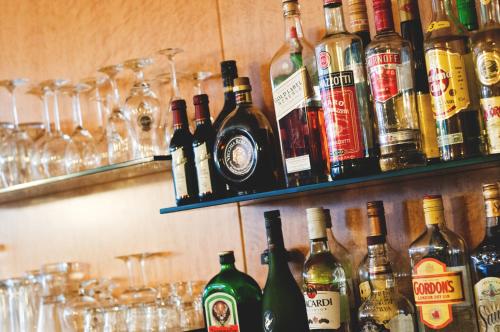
(221, 313)
(487, 293)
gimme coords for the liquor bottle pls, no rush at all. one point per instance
(229, 72)
(385, 309)
(298, 112)
(326, 291)
(486, 50)
(283, 306)
(446, 56)
(358, 20)
(441, 277)
(389, 60)
(181, 150)
(344, 88)
(232, 300)
(411, 30)
(467, 14)
(486, 264)
(400, 265)
(245, 154)
(203, 143)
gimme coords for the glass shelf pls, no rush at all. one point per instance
(100, 175)
(413, 173)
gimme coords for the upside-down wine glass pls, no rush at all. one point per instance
(161, 81)
(6, 129)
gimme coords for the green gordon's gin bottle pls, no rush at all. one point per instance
(232, 300)
(326, 290)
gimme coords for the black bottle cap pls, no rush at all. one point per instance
(377, 239)
(272, 216)
(179, 104)
(228, 68)
(226, 257)
(328, 218)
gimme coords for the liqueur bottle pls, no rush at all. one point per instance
(181, 150)
(203, 143)
(232, 300)
(344, 88)
(385, 309)
(486, 50)
(441, 277)
(245, 154)
(411, 30)
(451, 87)
(390, 66)
(358, 20)
(467, 14)
(486, 264)
(229, 72)
(283, 306)
(326, 291)
(293, 75)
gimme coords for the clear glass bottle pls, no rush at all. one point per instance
(390, 66)
(441, 275)
(344, 87)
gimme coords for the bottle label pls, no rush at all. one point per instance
(221, 313)
(436, 289)
(292, 93)
(447, 83)
(364, 290)
(323, 307)
(488, 67)
(492, 207)
(202, 158)
(438, 25)
(398, 137)
(269, 321)
(298, 164)
(340, 106)
(427, 125)
(179, 161)
(487, 293)
(240, 156)
(491, 111)
(406, 8)
(383, 71)
(450, 139)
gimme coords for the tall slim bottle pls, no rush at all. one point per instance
(229, 73)
(358, 20)
(283, 306)
(441, 275)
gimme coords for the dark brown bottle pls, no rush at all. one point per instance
(229, 72)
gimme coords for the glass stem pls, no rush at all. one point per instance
(175, 85)
(133, 275)
(98, 101)
(14, 109)
(78, 110)
(114, 88)
(57, 120)
(46, 116)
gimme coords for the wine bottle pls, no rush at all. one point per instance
(229, 72)
(283, 306)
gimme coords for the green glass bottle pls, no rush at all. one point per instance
(283, 306)
(467, 14)
(232, 300)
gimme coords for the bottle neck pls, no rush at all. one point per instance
(358, 16)
(492, 213)
(293, 25)
(408, 11)
(490, 13)
(318, 246)
(227, 267)
(202, 114)
(227, 82)
(180, 119)
(334, 19)
(438, 9)
(377, 225)
(379, 266)
(434, 218)
(243, 97)
(384, 22)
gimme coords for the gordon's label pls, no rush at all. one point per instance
(447, 83)
(436, 290)
(221, 313)
(239, 156)
(437, 25)
(406, 8)
(364, 290)
(179, 161)
(491, 112)
(323, 307)
(202, 158)
(487, 294)
(383, 72)
(488, 67)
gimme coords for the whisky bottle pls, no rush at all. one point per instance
(441, 277)
(326, 291)
(244, 150)
(283, 306)
(344, 87)
(358, 20)
(229, 73)
(385, 309)
(486, 51)
(486, 264)
(452, 88)
(232, 300)
(467, 14)
(389, 60)
(293, 78)
(181, 149)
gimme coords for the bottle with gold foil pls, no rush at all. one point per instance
(486, 50)
(486, 264)
(358, 20)
(452, 87)
(440, 272)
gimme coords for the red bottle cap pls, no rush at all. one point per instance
(383, 15)
(201, 111)
(179, 112)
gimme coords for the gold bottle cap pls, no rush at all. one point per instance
(491, 194)
(242, 84)
(290, 6)
(316, 223)
(433, 209)
(376, 218)
(358, 16)
(490, 191)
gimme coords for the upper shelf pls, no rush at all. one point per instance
(417, 172)
(100, 175)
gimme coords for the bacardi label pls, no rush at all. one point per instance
(436, 290)
(487, 293)
(323, 307)
(179, 161)
(240, 156)
(491, 111)
(383, 72)
(488, 68)
(202, 158)
(221, 313)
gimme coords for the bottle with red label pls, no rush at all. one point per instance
(344, 95)
(390, 66)
(441, 275)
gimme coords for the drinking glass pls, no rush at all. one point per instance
(162, 80)
(6, 129)
(77, 309)
(200, 77)
(35, 130)
(142, 109)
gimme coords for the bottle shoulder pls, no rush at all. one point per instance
(234, 282)
(245, 117)
(203, 133)
(181, 138)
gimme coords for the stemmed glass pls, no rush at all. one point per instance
(6, 129)
(118, 129)
(15, 152)
(200, 77)
(142, 109)
(161, 81)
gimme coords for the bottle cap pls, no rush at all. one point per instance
(358, 16)
(200, 99)
(226, 257)
(491, 191)
(179, 104)
(433, 209)
(272, 217)
(383, 15)
(179, 112)
(228, 69)
(201, 111)
(328, 218)
(316, 223)
(242, 84)
(332, 3)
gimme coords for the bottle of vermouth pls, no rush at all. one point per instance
(344, 88)
(385, 309)
(389, 60)
(358, 20)
(181, 149)
(283, 306)
(245, 154)
(229, 72)
(486, 264)
(441, 276)
(232, 300)
(326, 290)
(298, 112)
(486, 49)
(452, 88)
(467, 14)
(411, 30)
